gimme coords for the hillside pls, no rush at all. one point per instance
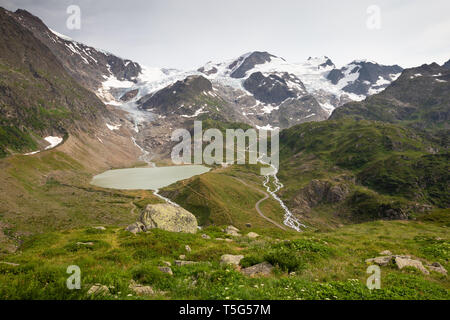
(37, 96)
(419, 98)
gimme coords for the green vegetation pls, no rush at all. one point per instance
(327, 265)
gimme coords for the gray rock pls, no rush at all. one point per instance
(437, 267)
(260, 269)
(166, 217)
(100, 228)
(136, 227)
(188, 248)
(406, 262)
(381, 261)
(252, 235)
(140, 289)
(10, 263)
(232, 231)
(205, 236)
(181, 263)
(231, 259)
(167, 270)
(182, 257)
(386, 253)
(167, 263)
(98, 289)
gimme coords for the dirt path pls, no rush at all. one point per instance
(266, 196)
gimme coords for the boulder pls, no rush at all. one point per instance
(140, 289)
(407, 262)
(381, 261)
(100, 228)
(167, 270)
(437, 267)
(252, 235)
(232, 231)
(260, 269)
(231, 259)
(181, 263)
(98, 289)
(188, 248)
(182, 256)
(166, 217)
(136, 227)
(205, 236)
(386, 253)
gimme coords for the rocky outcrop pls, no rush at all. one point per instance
(273, 88)
(402, 261)
(319, 192)
(437, 267)
(232, 231)
(244, 64)
(140, 289)
(167, 270)
(98, 289)
(260, 269)
(407, 262)
(129, 95)
(370, 77)
(166, 217)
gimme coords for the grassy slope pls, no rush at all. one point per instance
(51, 191)
(387, 164)
(219, 198)
(328, 265)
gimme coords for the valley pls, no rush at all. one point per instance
(85, 154)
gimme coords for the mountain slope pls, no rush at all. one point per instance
(420, 97)
(37, 96)
(91, 67)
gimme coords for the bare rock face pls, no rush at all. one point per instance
(318, 192)
(129, 95)
(166, 217)
(260, 269)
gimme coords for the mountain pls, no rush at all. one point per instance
(37, 96)
(41, 104)
(264, 90)
(93, 68)
(446, 65)
(420, 97)
(364, 78)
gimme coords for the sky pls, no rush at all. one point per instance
(185, 34)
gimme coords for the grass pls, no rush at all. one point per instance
(327, 265)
